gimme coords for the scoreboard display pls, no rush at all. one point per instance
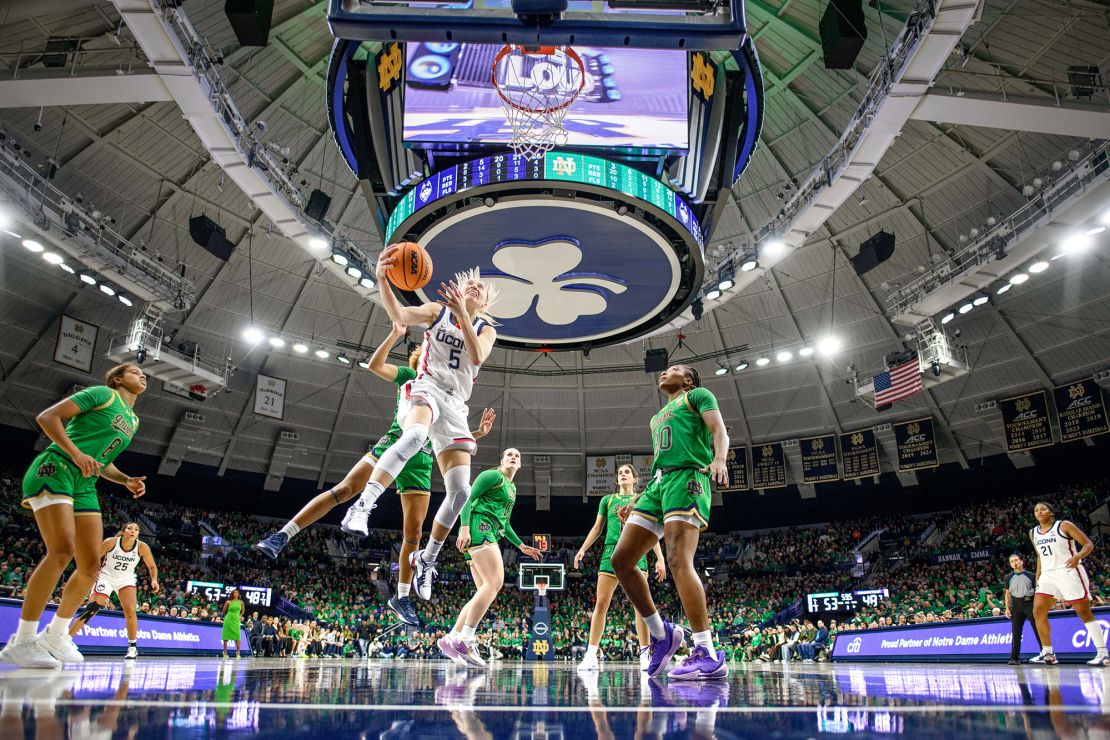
(553, 166)
(838, 602)
(219, 592)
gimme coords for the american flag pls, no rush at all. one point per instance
(898, 383)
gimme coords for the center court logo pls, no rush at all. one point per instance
(540, 274)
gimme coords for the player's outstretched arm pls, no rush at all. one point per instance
(422, 315)
(378, 361)
(485, 425)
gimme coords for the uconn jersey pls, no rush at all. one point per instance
(444, 380)
(444, 358)
(1054, 548)
(117, 570)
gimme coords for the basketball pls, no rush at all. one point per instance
(413, 268)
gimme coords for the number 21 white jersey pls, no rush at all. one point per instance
(1053, 547)
(444, 359)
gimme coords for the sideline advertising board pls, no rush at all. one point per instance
(967, 640)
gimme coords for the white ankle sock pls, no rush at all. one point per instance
(1098, 636)
(290, 529)
(468, 632)
(654, 624)
(371, 494)
(705, 640)
(431, 552)
(403, 590)
(26, 630)
(59, 625)
(591, 651)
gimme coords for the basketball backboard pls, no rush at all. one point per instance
(649, 24)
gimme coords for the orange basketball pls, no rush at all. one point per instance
(413, 268)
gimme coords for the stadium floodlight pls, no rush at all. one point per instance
(107, 289)
(1018, 279)
(1073, 243)
(947, 317)
(712, 294)
(67, 268)
(980, 299)
(366, 282)
(749, 264)
(1038, 266)
(773, 248)
(805, 352)
(253, 335)
(784, 356)
(87, 277)
(322, 354)
(53, 258)
(762, 361)
(354, 272)
(742, 365)
(829, 345)
(966, 307)
(339, 258)
(364, 363)
(277, 342)
(344, 359)
(32, 245)
(318, 243)
(300, 348)
(125, 300)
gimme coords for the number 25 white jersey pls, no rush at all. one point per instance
(444, 359)
(1053, 547)
(120, 563)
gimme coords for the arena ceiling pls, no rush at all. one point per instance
(141, 164)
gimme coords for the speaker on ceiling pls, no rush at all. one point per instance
(873, 252)
(210, 235)
(1084, 80)
(250, 19)
(655, 360)
(318, 203)
(843, 32)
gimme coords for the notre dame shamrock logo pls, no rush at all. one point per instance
(768, 450)
(1076, 391)
(857, 439)
(47, 470)
(484, 527)
(913, 428)
(1023, 404)
(818, 445)
(540, 647)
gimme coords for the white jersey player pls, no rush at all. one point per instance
(119, 556)
(459, 338)
(1061, 547)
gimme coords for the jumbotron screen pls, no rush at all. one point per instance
(631, 97)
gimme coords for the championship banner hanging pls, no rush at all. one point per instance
(768, 466)
(269, 397)
(737, 466)
(1025, 421)
(1081, 410)
(917, 445)
(76, 343)
(859, 453)
(819, 459)
(601, 471)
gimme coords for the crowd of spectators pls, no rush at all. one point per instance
(334, 587)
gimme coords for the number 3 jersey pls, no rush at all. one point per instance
(444, 359)
(105, 426)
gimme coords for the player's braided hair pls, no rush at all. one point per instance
(694, 376)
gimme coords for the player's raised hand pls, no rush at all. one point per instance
(488, 417)
(386, 260)
(136, 485)
(398, 329)
(452, 297)
(531, 552)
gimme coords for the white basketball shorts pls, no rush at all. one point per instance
(1065, 584)
(106, 585)
(450, 429)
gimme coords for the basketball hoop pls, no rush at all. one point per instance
(537, 86)
(542, 583)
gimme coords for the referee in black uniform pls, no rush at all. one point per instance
(1020, 585)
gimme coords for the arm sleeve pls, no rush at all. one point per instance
(702, 400)
(482, 484)
(404, 374)
(511, 536)
(90, 398)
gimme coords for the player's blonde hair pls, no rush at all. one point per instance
(474, 274)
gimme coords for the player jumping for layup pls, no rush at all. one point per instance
(458, 340)
(690, 444)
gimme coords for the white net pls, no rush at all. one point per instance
(537, 88)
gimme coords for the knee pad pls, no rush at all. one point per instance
(457, 482)
(89, 611)
(400, 452)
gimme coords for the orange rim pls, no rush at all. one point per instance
(539, 51)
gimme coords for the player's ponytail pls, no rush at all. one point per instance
(113, 377)
(414, 355)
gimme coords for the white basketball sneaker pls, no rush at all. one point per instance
(589, 663)
(645, 658)
(61, 647)
(357, 519)
(472, 657)
(1045, 657)
(29, 654)
(1101, 658)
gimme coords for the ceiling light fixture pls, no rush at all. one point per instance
(805, 351)
(364, 363)
(107, 289)
(277, 342)
(762, 361)
(1003, 288)
(1038, 266)
(784, 356)
(773, 248)
(742, 365)
(749, 264)
(318, 243)
(1075, 243)
(354, 272)
(947, 317)
(253, 335)
(53, 258)
(367, 283)
(712, 294)
(300, 348)
(829, 345)
(980, 299)
(966, 307)
(1018, 279)
(343, 358)
(322, 354)
(87, 277)
(67, 268)
(339, 258)
(32, 245)
(125, 300)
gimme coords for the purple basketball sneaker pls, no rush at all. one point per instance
(663, 650)
(700, 665)
(454, 649)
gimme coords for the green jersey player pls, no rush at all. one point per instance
(87, 431)
(484, 521)
(609, 520)
(690, 443)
